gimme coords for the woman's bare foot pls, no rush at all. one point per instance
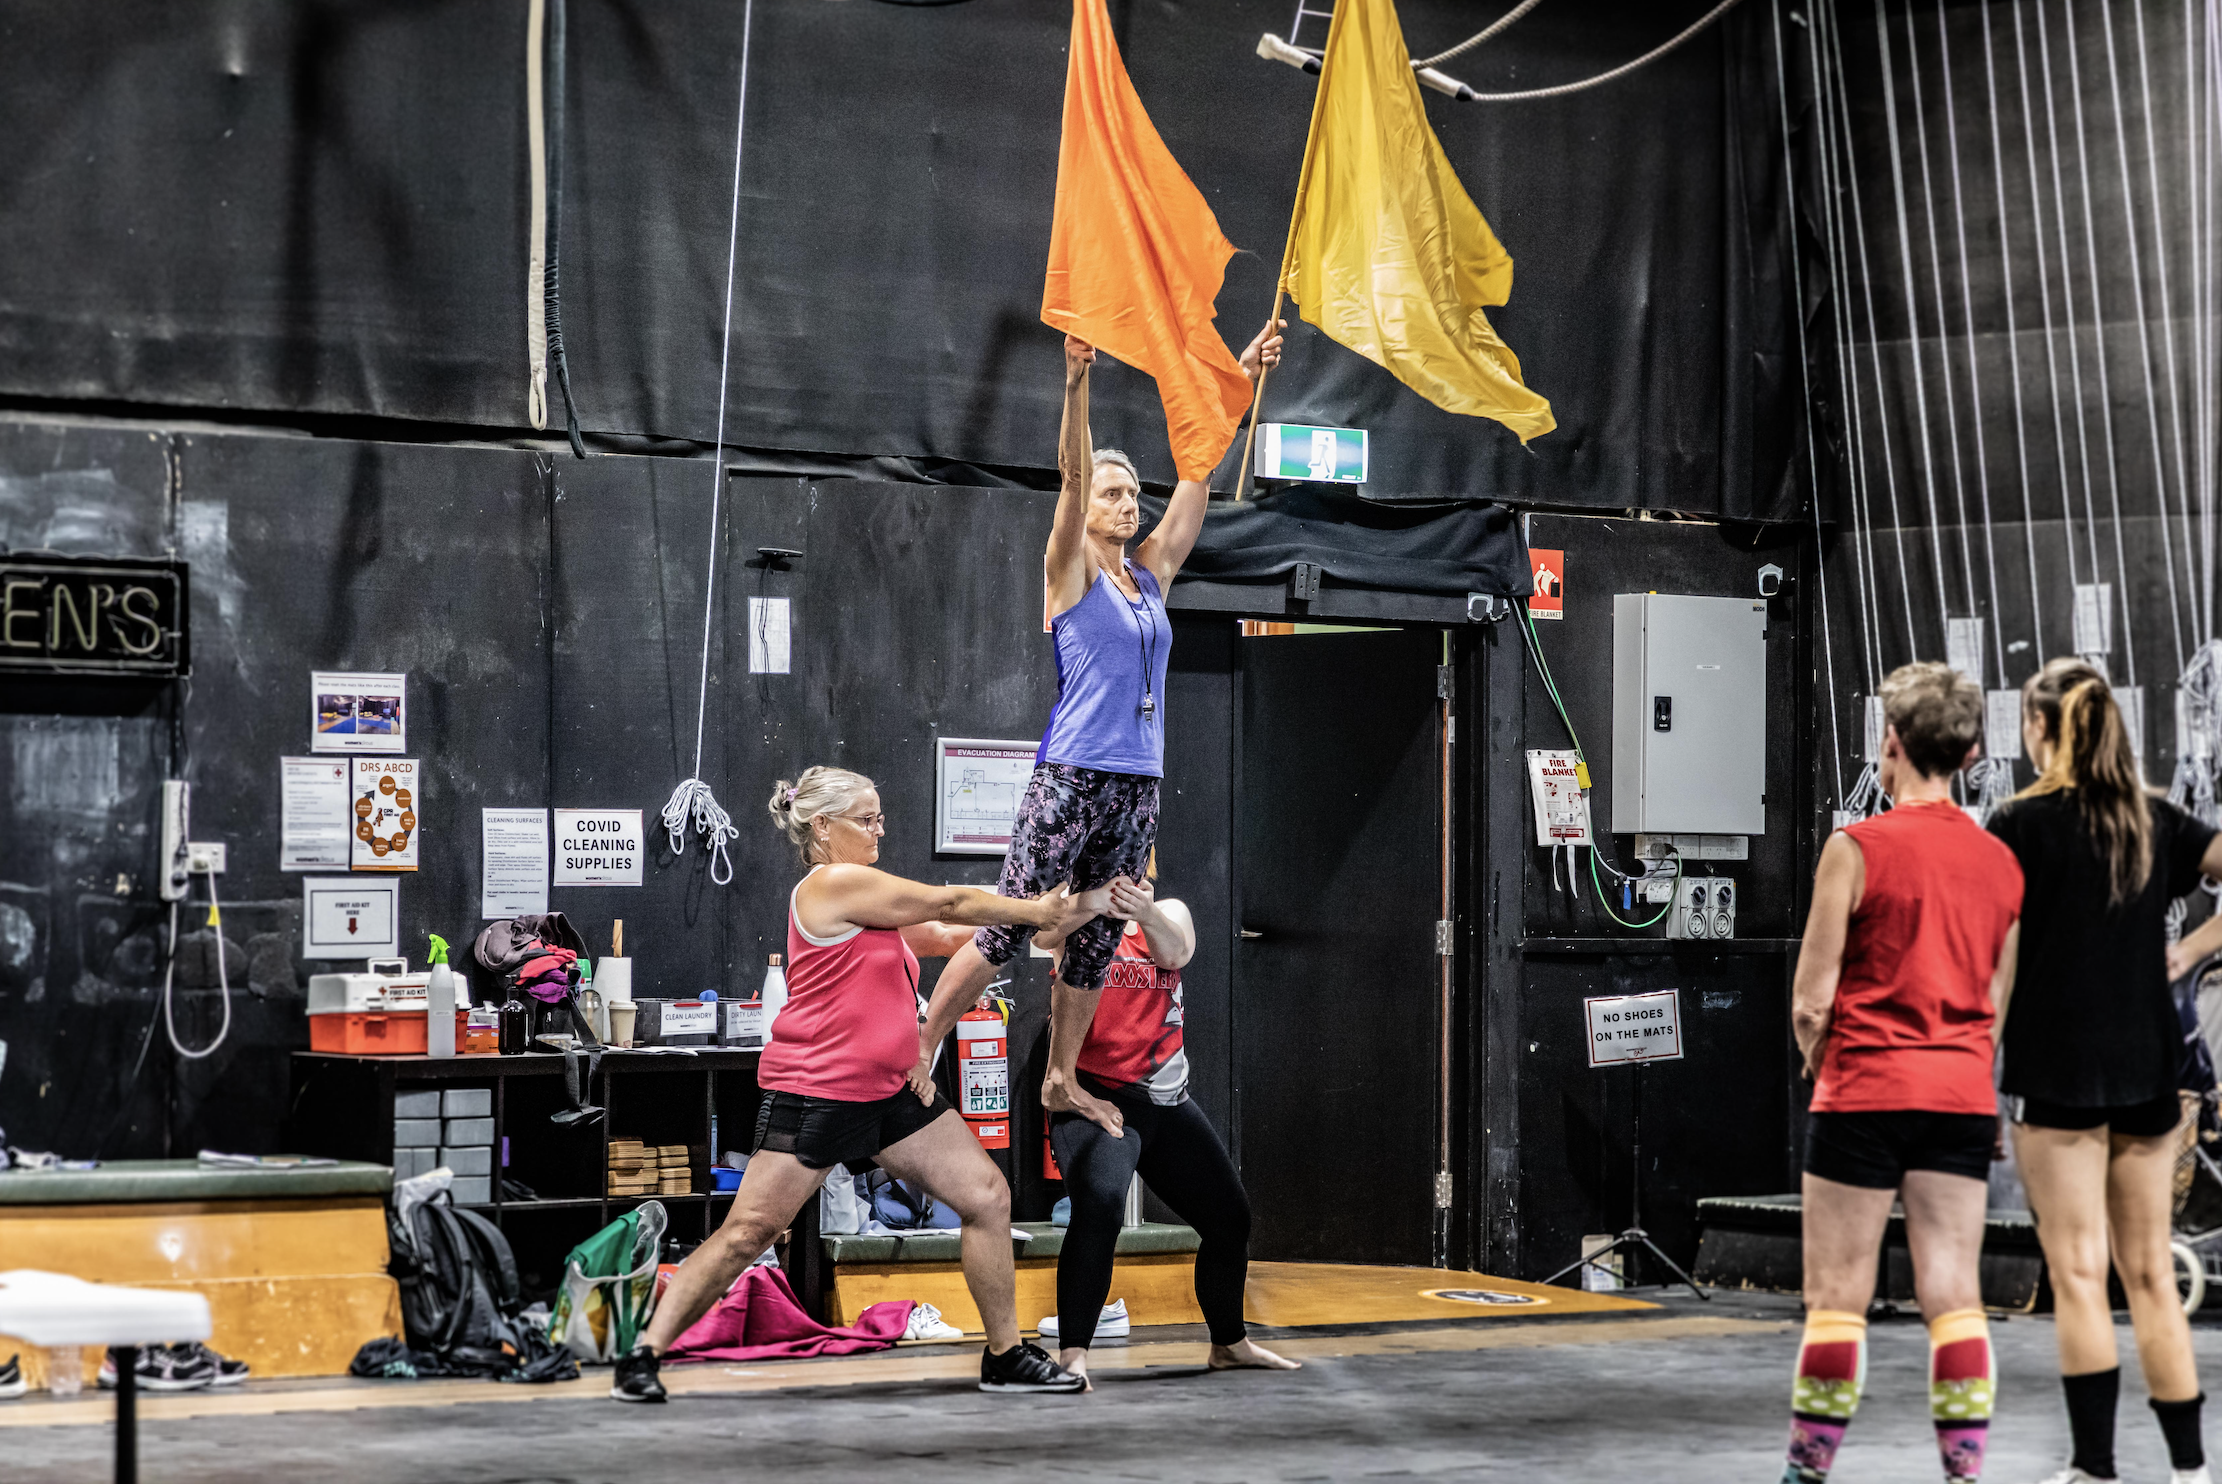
(1248, 1355)
(1076, 1361)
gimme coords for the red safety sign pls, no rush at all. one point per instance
(1550, 583)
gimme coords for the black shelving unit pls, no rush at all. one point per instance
(342, 1106)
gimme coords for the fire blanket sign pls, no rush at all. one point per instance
(1634, 1028)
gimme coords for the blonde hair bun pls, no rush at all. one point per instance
(820, 790)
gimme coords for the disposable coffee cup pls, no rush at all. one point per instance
(621, 1022)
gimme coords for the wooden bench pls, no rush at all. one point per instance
(292, 1262)
(1154, 1271)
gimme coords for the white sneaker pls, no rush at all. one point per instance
(2198, 1475)
(1112, 1326)
(2073, 1475)
(926, 1323)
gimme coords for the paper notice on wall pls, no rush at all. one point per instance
(1561, 809)
(513, 862)
(1635, 1027)
(313, 829)
(1963, 646)
(2094, 618)
(350, 917)
(1876, 723)
(2002, 724)
(2131, 698)
(770, 633)
(597, 847)
(386, 807)
(358, 711)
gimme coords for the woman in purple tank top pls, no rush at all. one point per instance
(1090, 810)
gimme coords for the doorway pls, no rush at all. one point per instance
(1337, 868)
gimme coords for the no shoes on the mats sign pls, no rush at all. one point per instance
(1635, 1027)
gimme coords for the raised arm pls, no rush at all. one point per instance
(1176, 534)
(1065, 564)
(1837, 888)
(1167, 927)
(841, 897)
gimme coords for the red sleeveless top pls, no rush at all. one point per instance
(1911, 1028)
(849, 1029)
(1135, 1039)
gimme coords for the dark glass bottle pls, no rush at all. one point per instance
(516, 1024)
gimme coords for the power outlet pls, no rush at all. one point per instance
(204, 858)
(1704, 908)
(170, 865)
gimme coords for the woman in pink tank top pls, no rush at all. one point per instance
(836, 1077)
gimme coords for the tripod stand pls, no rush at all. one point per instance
(1634, 1236)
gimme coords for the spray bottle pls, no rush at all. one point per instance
(775, 995)
(439, 1003)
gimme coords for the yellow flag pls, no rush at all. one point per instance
(1387, 252)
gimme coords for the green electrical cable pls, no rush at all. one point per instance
(1599, 887)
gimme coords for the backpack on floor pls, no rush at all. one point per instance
(459, 1290)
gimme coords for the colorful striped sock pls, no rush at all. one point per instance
(1963, 1383)
(1832, 1367)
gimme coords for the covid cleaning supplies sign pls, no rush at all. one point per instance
(597, 847)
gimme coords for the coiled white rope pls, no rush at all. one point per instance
(223, 981)
(693, 799)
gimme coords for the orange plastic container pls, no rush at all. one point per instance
(375, 1033)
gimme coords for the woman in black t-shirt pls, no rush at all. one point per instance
(2091, 1047)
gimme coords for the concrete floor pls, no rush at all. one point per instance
(1560, 1401)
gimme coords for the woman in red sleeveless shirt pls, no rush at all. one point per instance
(1908, 946)
(834, 1076)
(1122, 1044)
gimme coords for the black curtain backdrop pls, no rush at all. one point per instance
(297, 209)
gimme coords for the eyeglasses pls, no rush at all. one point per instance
(871, 824)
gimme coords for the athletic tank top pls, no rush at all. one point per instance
(1106, 645)
(849, 1029)
(1911, 1028)
(1135, 1039)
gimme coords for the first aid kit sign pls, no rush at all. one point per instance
(1634, 1027)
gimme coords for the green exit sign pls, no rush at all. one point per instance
(1294, 451)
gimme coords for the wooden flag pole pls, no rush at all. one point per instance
(1288, 251)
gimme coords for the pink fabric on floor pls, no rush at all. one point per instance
(760, 1319)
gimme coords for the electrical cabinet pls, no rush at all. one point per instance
(1689, 715)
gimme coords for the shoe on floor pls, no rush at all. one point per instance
(1113, 1325)
(229, 1372)
(636, 1379)
(12, 1384)
(2198, 1475)
(166, 1368)
(1026, 1367)
(926, 1323)
(2073, 1475)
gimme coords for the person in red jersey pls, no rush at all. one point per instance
(1908, 949)
(1123, 1045)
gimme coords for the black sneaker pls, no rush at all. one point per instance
(1026, 1367)
(12, 1384)
(636, 1379)
(164, 1368)
(229, 1372)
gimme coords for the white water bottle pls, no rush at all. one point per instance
(775, 995)
(439, 1003)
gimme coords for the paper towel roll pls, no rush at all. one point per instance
(614, 978)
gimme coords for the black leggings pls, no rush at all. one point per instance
(1176, 1151)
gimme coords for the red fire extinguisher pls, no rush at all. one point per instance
(984, 1071)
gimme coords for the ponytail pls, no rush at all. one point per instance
(2091, 755)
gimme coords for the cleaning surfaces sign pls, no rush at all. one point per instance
(597, 847)
(1634, 1027)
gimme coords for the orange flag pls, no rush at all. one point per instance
(1135, 256)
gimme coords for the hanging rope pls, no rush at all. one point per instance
(1805, 378)
(557, 27)
(692, 800)
(1501, 23)
(536, 232)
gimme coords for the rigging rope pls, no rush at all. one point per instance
(1805, 379)
(1501, 23)
(536, 231)
(693, 798)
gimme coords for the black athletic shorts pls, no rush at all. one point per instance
(823, 1132)
(1874, 1150)
(2138, 1120)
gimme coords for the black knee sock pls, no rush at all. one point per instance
(2179, 1424)
(2091, 1400)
